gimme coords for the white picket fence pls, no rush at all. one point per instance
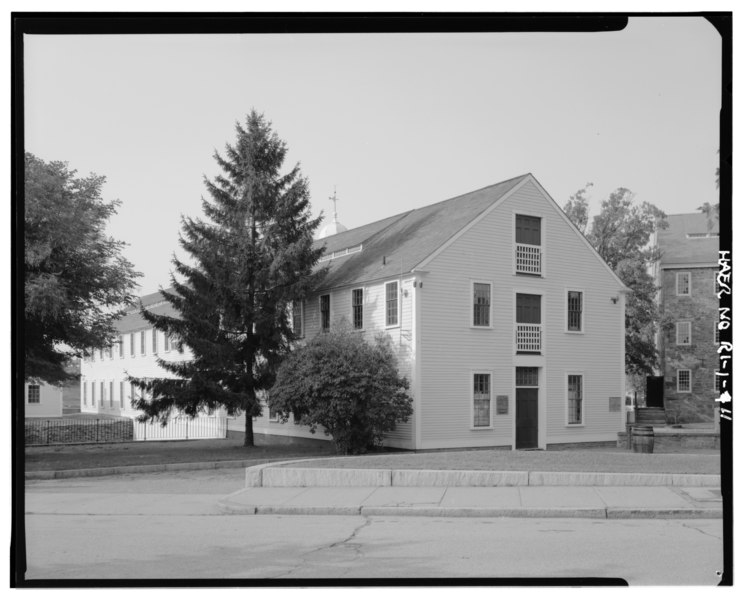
(181, 428)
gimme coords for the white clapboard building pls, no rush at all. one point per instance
(104, 388)
(507, 323)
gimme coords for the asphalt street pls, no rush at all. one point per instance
(168, 525)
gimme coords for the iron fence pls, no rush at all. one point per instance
(63, 431)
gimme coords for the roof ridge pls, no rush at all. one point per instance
(462, 195)
(400, 215)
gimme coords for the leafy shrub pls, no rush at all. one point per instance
(346, 385)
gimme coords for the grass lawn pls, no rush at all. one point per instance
(72, 457)
(68, 457)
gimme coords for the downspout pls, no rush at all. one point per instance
(416, 351)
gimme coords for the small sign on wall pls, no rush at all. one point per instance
(502, 404)
(615, 404)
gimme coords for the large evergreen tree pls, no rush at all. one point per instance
(76, 281)
(251, 257)
(621, 233)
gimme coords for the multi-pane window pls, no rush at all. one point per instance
(357, 308)
(716, 334)
(297, 317)
(527, 236)
(481, 304)
(131, 344)
(684, 384)
(34, 394)
(325, 312)
(166, 342)
(121, 393)
(391, 304)
(132, 395)
(684, 333)
(716, 382)
(528, 323)
(575, 398)
(527, 229)
(93, 393)
(154, 341)
(103, 393)
(526, 376)
(121, 346)
(142, 342)
(481, 400)
(85, 394)
(683, 283)
(575, 307)
(111, 394)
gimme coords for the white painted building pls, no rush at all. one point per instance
(42, 400)
(104, 388)
(506, 321)
(508, 324)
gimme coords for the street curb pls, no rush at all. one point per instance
(113, 470)
(311, 477)
(275, 475)
(231, 508)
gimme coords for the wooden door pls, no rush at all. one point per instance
(526, 418)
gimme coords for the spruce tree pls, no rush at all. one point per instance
(250, 258)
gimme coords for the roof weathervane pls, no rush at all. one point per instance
(334, 199)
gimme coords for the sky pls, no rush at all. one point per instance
(391, 122)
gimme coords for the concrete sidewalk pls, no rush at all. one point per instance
(605, 502)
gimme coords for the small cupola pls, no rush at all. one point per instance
(333, 227)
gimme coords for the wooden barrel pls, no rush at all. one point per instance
(643, 439)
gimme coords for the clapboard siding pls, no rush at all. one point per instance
(451, 350)
(116, 369)
(374, 323)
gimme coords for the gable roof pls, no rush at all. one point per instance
(154, 302)
(397, 244)
(678, 249)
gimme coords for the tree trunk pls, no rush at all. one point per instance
(248, 439)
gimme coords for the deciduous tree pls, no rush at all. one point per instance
(622, 235)
(349, 387)
(250, 258)
(77, 283)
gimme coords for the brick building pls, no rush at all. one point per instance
(686, 274)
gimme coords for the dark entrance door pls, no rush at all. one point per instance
(526, 418)
(654, 391)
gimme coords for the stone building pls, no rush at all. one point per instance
(686, 274)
